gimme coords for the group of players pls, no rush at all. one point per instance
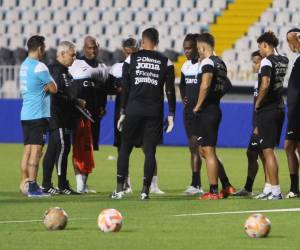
(72, 97)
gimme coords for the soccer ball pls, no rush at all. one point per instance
(110, 220)
(24, 186)
(257, 226)
(55, 218)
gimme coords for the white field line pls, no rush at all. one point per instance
(244, 212)
(31, 221)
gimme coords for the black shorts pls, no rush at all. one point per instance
(188, 121)
(269, 124)
(293, 126)
(34, 131)
(142, 130)
(254, 143)
(206, 125)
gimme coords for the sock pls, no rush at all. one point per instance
(145, 190)
(225, 182)
(267, 188)
(79, 182)
(120, 182)
(294, 183)
(196, 179)
(154, 181)
(213, 189)
(84, 179)
(276, 190)
(249, 184)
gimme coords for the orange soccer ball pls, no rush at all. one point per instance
(55, 218)
(110, 220)
(257, 226)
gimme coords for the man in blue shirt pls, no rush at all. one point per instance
(36, 86)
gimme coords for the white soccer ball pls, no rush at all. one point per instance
(24, 186)
(55, 218)
(110, 220)
(257, 226)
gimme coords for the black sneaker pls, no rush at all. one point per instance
(51, 190)
(67, 190)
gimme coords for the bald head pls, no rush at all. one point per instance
(293, 40)
(90, 47)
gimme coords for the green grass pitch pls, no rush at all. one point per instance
(147, 224)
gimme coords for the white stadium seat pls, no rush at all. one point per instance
(93, 16)
(207, 17)
(31, 29)
(29, 16)
(125, 16)
(187, 4)
(104, 4)
(154, 4)
(141, 17)
(108, 16)
(45, 15)
(191, 17)
(137, 4)
(12, 15)
(219, 4)
(282, 18)
(202, 5)
(79, 30)
(294, 5)
(57, 4)
(158, 17)
(175, 17)
(25, 4)
(268, 17)
(279, 4)
(60, 15)
(170, 4)
(77, 16)
(8, 4)
(63, 30)
(129, 30)
(41, 4)
(74, 4)
(121, 4)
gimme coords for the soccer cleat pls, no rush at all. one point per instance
(67, 190)
(291, 195)
(144, 196)
(225, 192)
(117, 195)
(191, 190)
(36, 191)
(51, 190)
(262, 196)
(210, 196)
(243, 193)
(127, 188)
(156, 190)
(274, 197)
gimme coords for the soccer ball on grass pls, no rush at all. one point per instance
(257, 226)
(110, 220)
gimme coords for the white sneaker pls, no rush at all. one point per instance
(191, 190)
(144, 196)
(117, 195)
(88, 190)
(291, 195)
(156, 190)
(262, 195)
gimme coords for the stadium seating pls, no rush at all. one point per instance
(236, 25)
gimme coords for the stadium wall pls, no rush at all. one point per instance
(234, 131)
